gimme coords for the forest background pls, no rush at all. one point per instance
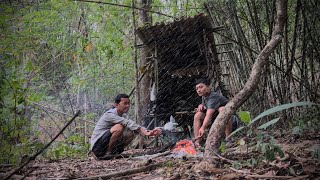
(60, 56)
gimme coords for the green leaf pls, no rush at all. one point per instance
(296, 130)
(279, 151)
(273, 110)
(267, 124)
(236, 131)
(245, 116)
(270, 155)
(236, 165)
(264, 148)
(222, 147)
(282, 107)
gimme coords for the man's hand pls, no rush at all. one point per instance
(200, 108)
(155, 132)
(201, 132)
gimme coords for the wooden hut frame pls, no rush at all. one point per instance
(182, 51)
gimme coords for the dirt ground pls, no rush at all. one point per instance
(241, 160)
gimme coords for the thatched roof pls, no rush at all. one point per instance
(179, 43)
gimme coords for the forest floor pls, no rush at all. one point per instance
(242, 160)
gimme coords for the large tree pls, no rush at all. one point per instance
(217, 129)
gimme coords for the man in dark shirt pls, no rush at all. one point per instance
(208, 110)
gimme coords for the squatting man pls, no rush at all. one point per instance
(114, 131)
(212, 104)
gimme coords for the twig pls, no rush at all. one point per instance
(14, 176)
(153, 155)
(240, 171)
(6, 165)
(126, 6)
(269, 176)
(126, 172)
(45, 147)
(223, 158)
(49, 108)
(300, 177)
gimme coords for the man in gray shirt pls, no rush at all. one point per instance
(114, 130)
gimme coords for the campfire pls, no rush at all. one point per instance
(185, 146)
(177, 141)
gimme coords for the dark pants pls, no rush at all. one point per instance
(234, 118)
(101, 146)
(235, 122)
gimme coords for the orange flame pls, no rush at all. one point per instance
(185, 146)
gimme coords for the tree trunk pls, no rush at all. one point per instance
(144, 18)
(217, 129)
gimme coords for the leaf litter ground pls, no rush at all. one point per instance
(301, 161)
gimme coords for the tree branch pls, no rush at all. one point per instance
(126, 172)
(126, 6)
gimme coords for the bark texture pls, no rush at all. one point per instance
(144, 85)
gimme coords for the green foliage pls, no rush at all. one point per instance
(268, 149)
(73, 147)
(307, 121)
(316, 153)
(249, 163)
(169, 164)
(222, 147)
(25, 148)
(281, 108)
(245, 116)
(43, 58)
(271, 111)
(269, 123)
(236, 165)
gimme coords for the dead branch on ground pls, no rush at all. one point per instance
(125, 172)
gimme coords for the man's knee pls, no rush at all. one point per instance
(117, 128)
(198, 116)
(220, 109)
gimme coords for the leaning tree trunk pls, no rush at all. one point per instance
(217, 129)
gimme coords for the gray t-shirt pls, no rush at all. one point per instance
(109, 119)
(214, 101)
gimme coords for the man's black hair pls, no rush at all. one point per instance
(204, 81)
(117, 99)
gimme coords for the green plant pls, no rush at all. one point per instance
(244, 116)
(308, 120)
(271, 111)
(236, 165)
(73, 147)
(269, 149)
(222, 147)
(169, 164)
(265, 142)
(316, 153)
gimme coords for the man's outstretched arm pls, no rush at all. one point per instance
(154, 132)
